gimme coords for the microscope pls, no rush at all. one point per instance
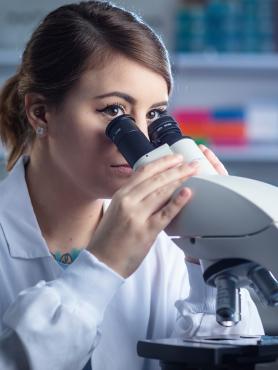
(231, 226)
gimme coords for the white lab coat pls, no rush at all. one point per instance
(88, 310)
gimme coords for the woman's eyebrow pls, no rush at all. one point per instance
(119, 94)
(128, 98)
(159, 104)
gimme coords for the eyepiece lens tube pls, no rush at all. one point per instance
(130, 141)
(164, 130)
(228, 304)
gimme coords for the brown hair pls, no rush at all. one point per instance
(68, 41)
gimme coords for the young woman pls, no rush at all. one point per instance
(99, 277)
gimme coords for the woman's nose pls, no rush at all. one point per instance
(142, 124)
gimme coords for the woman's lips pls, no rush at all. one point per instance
(122, 168)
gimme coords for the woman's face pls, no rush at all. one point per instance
(78, 147)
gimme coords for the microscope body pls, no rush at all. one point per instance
(230, 223)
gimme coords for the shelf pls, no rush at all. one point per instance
(255, 153)
(264, 62)
(238, 62)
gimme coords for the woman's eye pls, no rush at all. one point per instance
(113, 110)
(156, 113)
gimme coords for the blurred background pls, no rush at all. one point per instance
(225, 64)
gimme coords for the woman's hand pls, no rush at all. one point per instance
(219, 167)
(139, 211)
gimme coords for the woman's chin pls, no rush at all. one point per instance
(113, 186)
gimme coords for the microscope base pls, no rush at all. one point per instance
(210, 354)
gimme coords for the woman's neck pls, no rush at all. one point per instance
(66, 217)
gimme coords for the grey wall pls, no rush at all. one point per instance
(18, 17)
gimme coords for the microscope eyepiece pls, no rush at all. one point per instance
(164, 130)
(130, 141)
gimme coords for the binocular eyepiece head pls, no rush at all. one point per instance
(131, 141)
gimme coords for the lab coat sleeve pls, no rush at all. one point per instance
(58, 323)
(12, 353)
(196, 313)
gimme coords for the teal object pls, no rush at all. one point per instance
(67, 258)
(226, 26)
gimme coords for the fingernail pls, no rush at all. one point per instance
(184, 193)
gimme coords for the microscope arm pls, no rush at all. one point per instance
(229, 217)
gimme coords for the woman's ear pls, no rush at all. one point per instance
(36, 109)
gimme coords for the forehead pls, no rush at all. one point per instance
(125, 75)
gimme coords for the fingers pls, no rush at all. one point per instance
(162, 185)
(213, 160)
(153, 168)
(164, 216)
(158, 199)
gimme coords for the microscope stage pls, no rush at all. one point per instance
(210, 351)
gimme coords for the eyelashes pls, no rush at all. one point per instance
(158, 111)
(113, 110)
(117, 109)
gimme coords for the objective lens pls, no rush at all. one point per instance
(265, 285)
(164, 130)
(130, 141)
(228, 305)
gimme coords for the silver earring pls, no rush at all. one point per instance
(41, 131)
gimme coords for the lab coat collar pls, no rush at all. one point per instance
(17, 219)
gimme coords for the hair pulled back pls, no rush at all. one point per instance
(70, 40)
